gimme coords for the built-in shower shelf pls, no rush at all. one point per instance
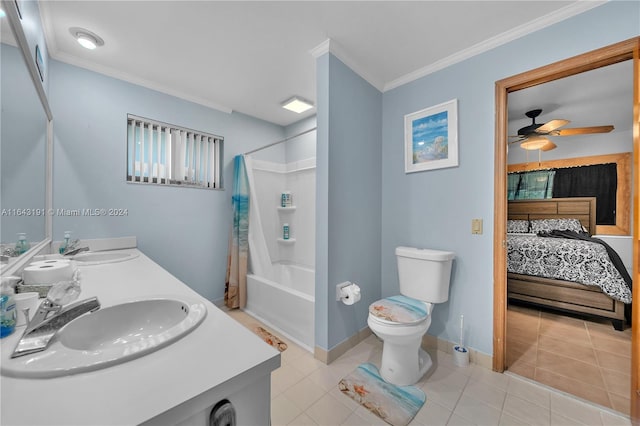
(286, 209)
(289, 241)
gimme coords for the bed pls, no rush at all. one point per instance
(547, 289)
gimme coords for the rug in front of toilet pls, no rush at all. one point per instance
(396, 405)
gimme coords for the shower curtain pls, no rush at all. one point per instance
(259, 258)
(235, 292)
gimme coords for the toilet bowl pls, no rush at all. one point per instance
(401, 321)
(403, 360)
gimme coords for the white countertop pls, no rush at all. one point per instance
(216, 359)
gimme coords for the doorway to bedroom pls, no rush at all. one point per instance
(573, 352)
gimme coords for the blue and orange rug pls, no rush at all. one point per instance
(396, 405)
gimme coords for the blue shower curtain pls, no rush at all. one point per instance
(235, 293)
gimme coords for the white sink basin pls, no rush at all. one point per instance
(100, 257)
(110, 336)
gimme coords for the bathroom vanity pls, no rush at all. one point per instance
(177, 384)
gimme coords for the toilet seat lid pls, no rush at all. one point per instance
(398, 310)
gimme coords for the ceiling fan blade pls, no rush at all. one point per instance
(583, 130)
(551, 126)
(548, 146)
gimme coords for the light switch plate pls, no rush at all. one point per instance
(476, 226)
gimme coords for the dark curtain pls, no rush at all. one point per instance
(600, 181)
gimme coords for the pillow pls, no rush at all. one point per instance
(548, 225)
(518, 226)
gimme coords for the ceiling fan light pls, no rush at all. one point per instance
(549, 146)
(532, 144)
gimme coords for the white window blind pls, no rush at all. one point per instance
(164, 154)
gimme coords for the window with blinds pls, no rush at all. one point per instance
(164, 154)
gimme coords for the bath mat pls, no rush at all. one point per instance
(270, 338)
(396, 405)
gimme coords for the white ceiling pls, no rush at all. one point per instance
(595, 98)
(250, 56)
(599, 97)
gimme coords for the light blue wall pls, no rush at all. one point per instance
(434, 208)
(301, 147)
(185, 230)
(348, 198)
(322, 201)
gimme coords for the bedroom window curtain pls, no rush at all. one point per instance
(600, 181)
(530, 185)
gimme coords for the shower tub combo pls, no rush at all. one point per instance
(285, 302)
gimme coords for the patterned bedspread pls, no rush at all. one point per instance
(578, 261)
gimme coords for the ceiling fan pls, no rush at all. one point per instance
(533, 136)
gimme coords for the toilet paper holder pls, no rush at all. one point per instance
(347, 290)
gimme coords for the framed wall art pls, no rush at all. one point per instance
(431, 138)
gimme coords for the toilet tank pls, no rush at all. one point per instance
(424, 274)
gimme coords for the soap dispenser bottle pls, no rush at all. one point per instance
(65, 243)
(22, 245)
(7, 308)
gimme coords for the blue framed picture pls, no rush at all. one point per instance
(431, 138)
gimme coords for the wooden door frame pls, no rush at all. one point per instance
(625, 50)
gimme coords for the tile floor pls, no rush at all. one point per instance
(304, 391)
(583, 357)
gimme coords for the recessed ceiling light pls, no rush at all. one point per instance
(86, 38)
(2, 14)
(297, 104)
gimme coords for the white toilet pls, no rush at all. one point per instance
(401, 321)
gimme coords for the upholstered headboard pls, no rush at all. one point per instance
(581, 208)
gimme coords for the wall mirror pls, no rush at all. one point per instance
(23, 152)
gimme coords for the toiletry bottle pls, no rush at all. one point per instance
(65, 243)
(7, 308)
(22, 245)
(286, 199)
(285, 231)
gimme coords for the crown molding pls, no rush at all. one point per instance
(331, 46)
(537, 24)
(112, 72)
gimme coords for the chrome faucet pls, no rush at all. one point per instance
(71, 252)
(54, 312)
(41, 329)
(72, 248)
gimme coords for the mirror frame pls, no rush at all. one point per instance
(15, 24)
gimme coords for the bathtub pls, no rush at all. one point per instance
(285, 303)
